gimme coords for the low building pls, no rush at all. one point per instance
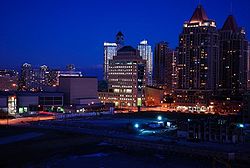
(226, 105)
(79, 90)
(19, 102)
(212, 129)
(153, 96)
(192, 100)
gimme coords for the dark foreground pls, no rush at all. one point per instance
(59, 149)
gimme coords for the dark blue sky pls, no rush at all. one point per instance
(60, 32)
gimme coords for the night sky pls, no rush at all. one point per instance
(60, 32)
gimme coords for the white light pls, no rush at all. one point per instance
(144, 42)
(159, 118)
(136, 125)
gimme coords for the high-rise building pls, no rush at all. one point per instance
(126, 78)
(8, 80)
(147, 54)
(233, 58)
(44, 76)
(110, 50)
(26, 77)
(197, 62)
(198, 53)
(164, 67)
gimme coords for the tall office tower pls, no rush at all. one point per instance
(26, 77)
(126, 77)
(120, 41)
(8, 80)
(163, 66)
(44, 75)
(233, 58)
(248, 68)
(110, 50)
(147, 54)
(198, 53)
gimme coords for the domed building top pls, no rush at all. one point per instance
(127, 49)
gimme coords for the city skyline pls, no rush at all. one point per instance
(29, 33)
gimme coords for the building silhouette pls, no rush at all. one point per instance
(198, 53)
(164, 67)
(197, 60)
(233, 58)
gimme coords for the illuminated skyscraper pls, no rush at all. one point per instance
(26, 77)
(197, 60)
(146, 54)
(198, 53)
(110, 50)
(233, 58)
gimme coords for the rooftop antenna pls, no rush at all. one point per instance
(231, 7)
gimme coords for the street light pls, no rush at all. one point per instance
(136, 125)
(159, 118)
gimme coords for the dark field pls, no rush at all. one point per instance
(59, 149)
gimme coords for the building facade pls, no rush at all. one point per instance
(198, 53)
(78, 90)
(126, 78)
(197, 62)
(153, 96)
(165, 74)
(147, 55)
(233, 59)
(110, 50)
(19, 102)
